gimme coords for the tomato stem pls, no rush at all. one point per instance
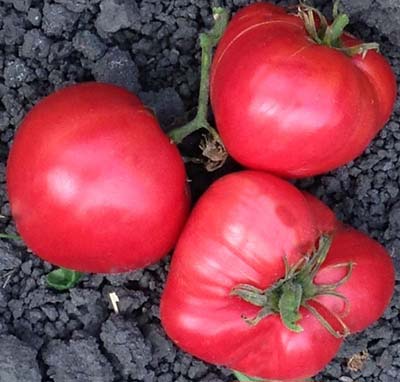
(335, 30)
(208, 42)
(245, 378)
(331, 34)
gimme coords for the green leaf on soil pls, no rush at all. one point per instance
(63, 279)
(245, 378)
(9, 236)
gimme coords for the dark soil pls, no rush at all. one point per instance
(150, 47)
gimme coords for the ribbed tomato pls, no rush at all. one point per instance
(266, 281)
(94, 184)
(240, 232)
(293, 103)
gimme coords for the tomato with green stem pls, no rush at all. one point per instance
(294, 95)
(256, 284)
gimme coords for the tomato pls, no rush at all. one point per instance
(239, 233)
(289, 105)
(93, 182)
(371, 285)
(253, 246)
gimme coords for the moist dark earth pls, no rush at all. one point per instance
(151, 47)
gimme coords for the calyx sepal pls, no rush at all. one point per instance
(330, 34)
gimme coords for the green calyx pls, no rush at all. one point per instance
(295, 290)
(330, 35)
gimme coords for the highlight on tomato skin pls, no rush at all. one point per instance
(266, 281)
(94, 184)
(295, 104)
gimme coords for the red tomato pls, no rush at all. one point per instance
(239, 232)
(371, 285)
(94, 184)
(286, 104)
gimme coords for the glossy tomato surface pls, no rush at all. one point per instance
(371, 285)
(286, 104)
(94, 184)
(239, 232)
(324, 218)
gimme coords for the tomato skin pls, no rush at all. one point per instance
(238, 233)
(285, 104)
(371, 285)
(94, 184)
(324, 218)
